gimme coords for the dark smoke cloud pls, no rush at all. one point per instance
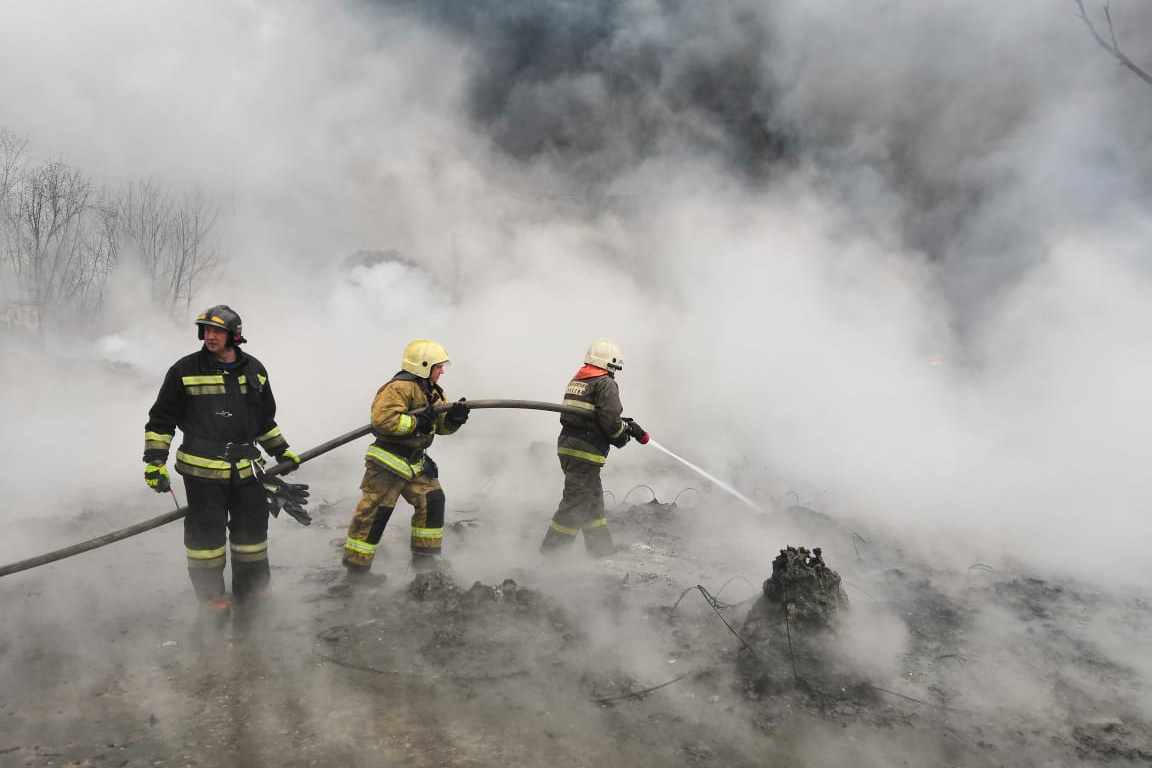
(980, 133)
(599, 87)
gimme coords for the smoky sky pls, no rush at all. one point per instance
(599, 86)
(939, 110)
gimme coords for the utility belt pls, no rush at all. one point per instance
(406, 452)
(595, 438)
(231, 452)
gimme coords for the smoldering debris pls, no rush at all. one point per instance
(482, 633)
(659, 524)
(656, 646)
(786, 633)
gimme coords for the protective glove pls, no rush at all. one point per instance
(291, 458)
(291, 497)
(635, 431)
(157, 478)
(620, 440)
(458, 413)
(425, 423)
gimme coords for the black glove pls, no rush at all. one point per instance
(635, 431)
(425, 423)
(620, 440)
(289, 458)
(291, 497)
(157, 478)
(458, 413)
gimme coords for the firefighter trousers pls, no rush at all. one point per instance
(380, 490)
(581, 509)
(221, 516)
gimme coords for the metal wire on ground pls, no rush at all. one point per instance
(344, 632)
(791, 653)
(715, 605)
(639, 694)
(334, 634)
(641, 485)
(735, 578)
(949, 707)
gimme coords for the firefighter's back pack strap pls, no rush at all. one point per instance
(221, 449)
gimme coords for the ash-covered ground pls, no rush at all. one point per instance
(649, 658)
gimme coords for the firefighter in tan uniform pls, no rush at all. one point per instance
(583, 448)
(396, 465)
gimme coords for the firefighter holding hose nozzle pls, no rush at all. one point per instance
(583, 448)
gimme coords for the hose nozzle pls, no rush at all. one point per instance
(635, 431)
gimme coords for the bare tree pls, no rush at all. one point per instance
(102, 245)
(1110, 43)
(146, 222)
(11, 153)
(60, 237)
(172, 239)
(196, 255)
(50, 202)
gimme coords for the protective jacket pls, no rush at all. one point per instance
(221, 412)
(594, 391)
(398, 448)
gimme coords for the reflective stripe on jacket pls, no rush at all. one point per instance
(586, 437)
(398, 448)
(213, 407)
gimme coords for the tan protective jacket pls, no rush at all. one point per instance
(398, 447)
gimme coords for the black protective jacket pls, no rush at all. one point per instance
(587, 437)
(221, 413)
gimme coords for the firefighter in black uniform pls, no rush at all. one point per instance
(221, 400)
(583, 448)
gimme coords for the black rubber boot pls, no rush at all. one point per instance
(598, 542)
(361, 576)
(214, 617)
(424, 562)
(556, 543)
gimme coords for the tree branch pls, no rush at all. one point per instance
(1112, 47)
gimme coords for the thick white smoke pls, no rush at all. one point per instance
(783, 215)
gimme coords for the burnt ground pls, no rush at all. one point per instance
(636, 660)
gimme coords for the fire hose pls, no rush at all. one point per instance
(336, 442)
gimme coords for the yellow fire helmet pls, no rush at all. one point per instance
(605, 354)
(420, 355)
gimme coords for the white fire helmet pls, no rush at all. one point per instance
(605, 354)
